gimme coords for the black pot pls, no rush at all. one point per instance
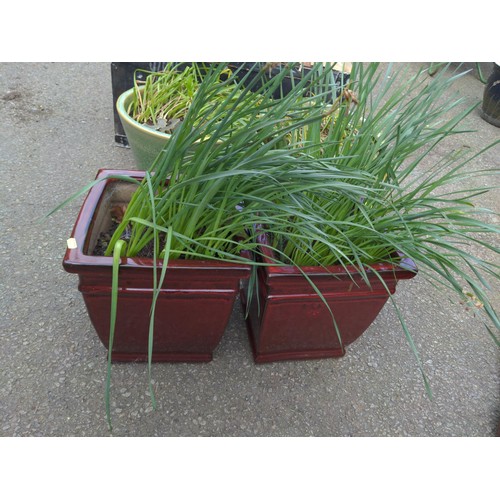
(241, 69)
(490, 110)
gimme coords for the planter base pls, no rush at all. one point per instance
(172, 357)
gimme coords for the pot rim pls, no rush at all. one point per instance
(338, 270)
(122, 111)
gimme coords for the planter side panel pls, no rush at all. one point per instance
(294, 323)
(189, 324)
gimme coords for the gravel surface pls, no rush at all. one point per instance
(56, 130)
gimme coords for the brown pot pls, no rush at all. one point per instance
(194, 304)
(290, 321)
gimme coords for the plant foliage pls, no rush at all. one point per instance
(346, 180)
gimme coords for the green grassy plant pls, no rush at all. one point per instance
(339, 183)
(163, 98)
(413, 208)
(420, 211)
(342, 182)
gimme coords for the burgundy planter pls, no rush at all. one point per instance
(290, 321)
(193, 307)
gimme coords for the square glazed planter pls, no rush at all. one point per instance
(194, 304)
(290, 321)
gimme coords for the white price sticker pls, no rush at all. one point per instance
(72, 243)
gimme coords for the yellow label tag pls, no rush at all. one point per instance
(72, 243)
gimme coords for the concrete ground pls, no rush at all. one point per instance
(56, 130)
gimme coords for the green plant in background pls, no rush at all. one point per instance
(164, 97)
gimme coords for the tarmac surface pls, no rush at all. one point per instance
(56, 131)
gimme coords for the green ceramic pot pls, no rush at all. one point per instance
(145, 142)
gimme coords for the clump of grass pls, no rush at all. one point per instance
(331, 183)
(163, 98)
(354, 192)
(422, 211)
(411, 207)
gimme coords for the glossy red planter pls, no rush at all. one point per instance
(194, 305)
(290, 321)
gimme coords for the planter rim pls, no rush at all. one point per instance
(151, 132)
(287, 270)
(74, 258)
(120, 107)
